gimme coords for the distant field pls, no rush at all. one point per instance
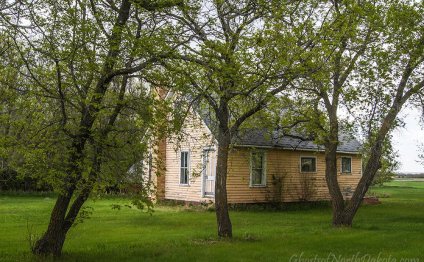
(410, 179)
(392, 230)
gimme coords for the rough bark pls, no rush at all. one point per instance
(345, 216)
(222, 215)
(372, 166)
(52, 240)
(332, 182)
(221, 203)
(331, 144)
(60, 222)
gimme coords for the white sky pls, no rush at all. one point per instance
(407, 140)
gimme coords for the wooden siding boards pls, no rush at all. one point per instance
(284, 181)
(194, 138)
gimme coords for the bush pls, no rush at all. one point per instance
(382, 177)
(10, 180)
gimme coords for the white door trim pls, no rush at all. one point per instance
(206, 155)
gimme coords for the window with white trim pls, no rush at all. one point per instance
(346, 165)
(308, 164)
(184, 168)
(257, 169)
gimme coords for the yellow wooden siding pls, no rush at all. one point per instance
(284, 166)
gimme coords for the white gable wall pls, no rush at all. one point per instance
(194, 138)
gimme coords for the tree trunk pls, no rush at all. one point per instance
(345, 216)
(221, 204)
(60, 222)
(52, 240)
(337, 201)
(372, 166)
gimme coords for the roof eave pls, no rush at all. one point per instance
(296, 149)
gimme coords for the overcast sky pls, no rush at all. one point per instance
(406, 141)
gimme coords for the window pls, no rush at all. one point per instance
(257, 172)
(184, 168)
(346, 165)
(308, 164)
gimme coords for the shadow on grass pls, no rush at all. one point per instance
(279, 206)
(245, 237)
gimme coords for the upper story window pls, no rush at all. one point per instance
(308, 164)
(184, 168)
(257, 169)
(346, 165)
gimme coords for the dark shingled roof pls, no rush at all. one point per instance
(262, 137)
(266, 138)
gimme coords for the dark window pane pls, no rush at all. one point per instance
(257, 160)
(346, 165)
(256, 176)
(308, 164)
(184, 176)
(258, 172)
(184, 168)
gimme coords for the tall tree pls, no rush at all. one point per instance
(399, 67)
(83, 67)
(372, 72)
(350, 32)
(234, 63)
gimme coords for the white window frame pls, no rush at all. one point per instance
(308, 172)
(264, 171)
(341, 165)
(188, 168)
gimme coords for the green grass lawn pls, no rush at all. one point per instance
(393, 229)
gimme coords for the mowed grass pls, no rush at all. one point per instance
(393, 229)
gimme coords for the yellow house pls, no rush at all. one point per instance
(263, 166)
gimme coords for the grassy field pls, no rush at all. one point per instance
(392, 230)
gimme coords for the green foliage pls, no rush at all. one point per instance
(367, 61)
(11, 181)
(61, 63)
(234, 59)
(389, 164)
(84, 213)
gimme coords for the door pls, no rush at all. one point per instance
(209, 169)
